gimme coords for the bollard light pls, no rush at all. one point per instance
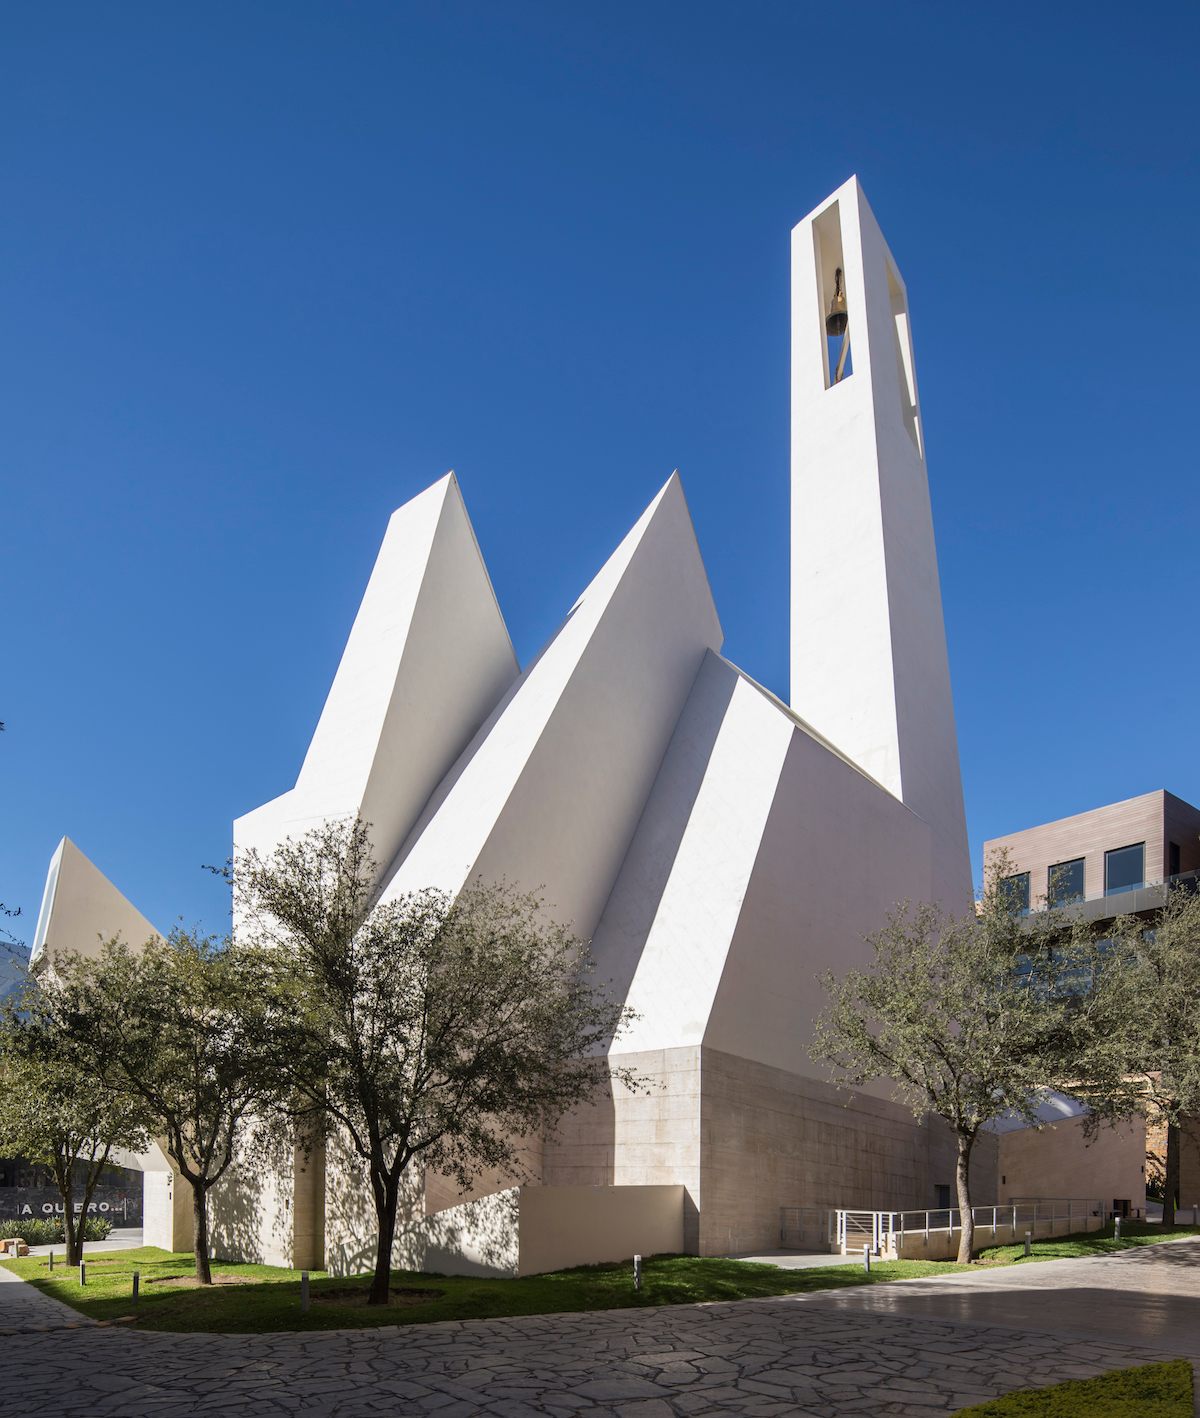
(637, 1272)
(137, 1285)
(51, 1260)
(1028, 1243)
(83, 1272)
(304, 1296)
(867, 1258)
(1116, 1228)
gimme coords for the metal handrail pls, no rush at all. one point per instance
(854, 1228)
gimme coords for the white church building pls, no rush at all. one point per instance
(719, 847)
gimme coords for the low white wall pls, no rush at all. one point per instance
(567, 1226)
(521, 1231)
(166, 1212)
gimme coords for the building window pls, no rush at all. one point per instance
(1125, 869)
(1064, 883)
(1014, 892)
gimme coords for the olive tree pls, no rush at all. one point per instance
(431, 1031)
(56, 1106)
(1147, 1055)
(967, 1017)
(181, 1026)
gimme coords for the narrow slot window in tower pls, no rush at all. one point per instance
(835, 309)
(906, 375)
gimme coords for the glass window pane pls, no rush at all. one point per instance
(1015, 893)
(1124, 869)
(1064, 883)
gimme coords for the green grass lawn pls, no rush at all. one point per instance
(272, 1300)
(1133, 1233)
(268, 1298)
(1151, 1391)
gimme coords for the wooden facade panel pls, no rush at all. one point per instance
(1089, 835)
(1182, 826)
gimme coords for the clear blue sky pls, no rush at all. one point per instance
(267, 270)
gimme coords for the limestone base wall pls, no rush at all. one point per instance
(1062, 1161)
(770, 1138)
(744, 1139)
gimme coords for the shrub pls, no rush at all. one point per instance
(36, 1232)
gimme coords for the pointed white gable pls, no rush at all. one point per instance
(549, 793)
(81, 909)
(427, 658)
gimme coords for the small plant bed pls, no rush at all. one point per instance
(36, 1232)
(1151, 1391)
(255, 1299)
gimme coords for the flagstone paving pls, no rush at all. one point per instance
(823, 1355)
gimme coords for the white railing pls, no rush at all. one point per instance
(848, 1230)
(884, 1231)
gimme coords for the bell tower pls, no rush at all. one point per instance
(868, 645)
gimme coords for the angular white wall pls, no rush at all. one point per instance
(550, 791)
(81, 909)
(427, 658)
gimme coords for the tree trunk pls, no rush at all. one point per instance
(1171, 1177)
(966, 1239)
(72, 1229)
(200, 1232)
(64, 1179)
(386, 1198)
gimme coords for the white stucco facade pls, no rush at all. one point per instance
(719, 847)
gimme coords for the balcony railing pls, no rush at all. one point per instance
(1125, 900)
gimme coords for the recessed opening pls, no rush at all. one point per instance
(834, 313)
(905, 369)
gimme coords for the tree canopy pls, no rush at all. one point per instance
(428, 1029)
(968, 1017)
(58, 1104)
(182, 1026)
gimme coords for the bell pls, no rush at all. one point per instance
(837, 319)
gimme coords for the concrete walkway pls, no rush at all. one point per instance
(23, 1309)
(887, 1351)
(1149, 1296)
(126, 1238)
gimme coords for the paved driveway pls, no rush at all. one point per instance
(1148, 1297)
(890, 1351)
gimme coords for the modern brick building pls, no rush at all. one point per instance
(1113, 861)
(1116, 860)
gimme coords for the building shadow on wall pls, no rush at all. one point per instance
(633, 904)
(250, 1208)
(476, 1237)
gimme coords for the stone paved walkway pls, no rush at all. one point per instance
(824, 1356)
(24, 1308)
